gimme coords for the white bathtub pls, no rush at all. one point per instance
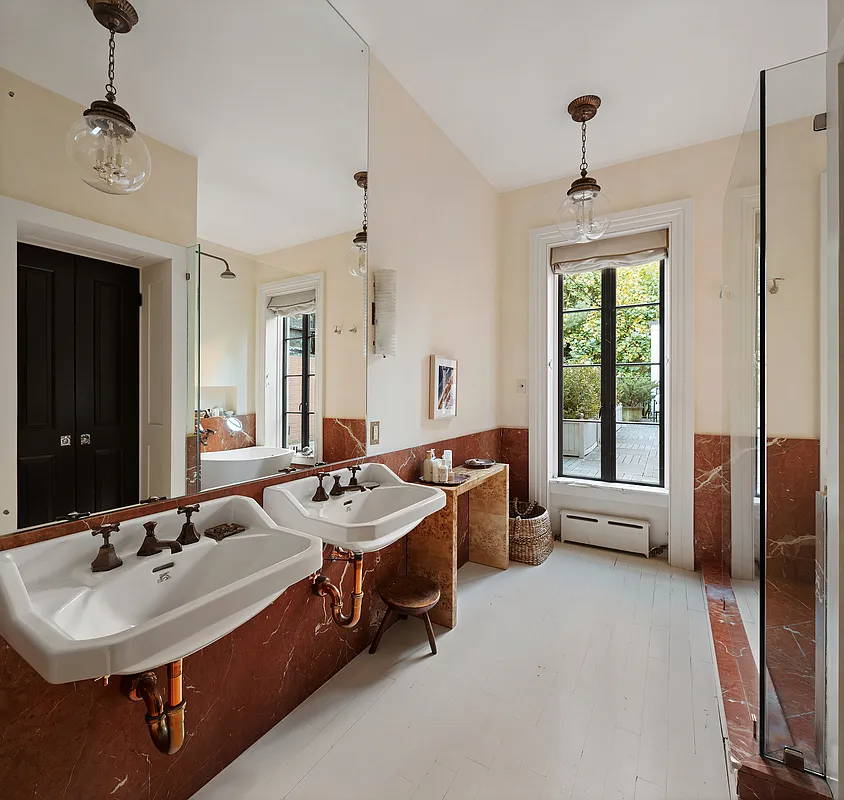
(245, 464)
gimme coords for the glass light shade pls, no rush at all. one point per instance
(110, 155)
(357, 260)
(584, 216)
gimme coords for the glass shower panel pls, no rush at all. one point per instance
(793, 159)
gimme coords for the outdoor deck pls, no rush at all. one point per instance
(637, 456)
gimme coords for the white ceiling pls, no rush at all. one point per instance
(270, 96)
(497, 75)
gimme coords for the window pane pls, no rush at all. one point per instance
(582, 290)
(581, 428)
(294, 431)
(581, 392)
(293, 386)
(582, 337)
(638, 394)
(637, 284)
(311, 424)
(637, 335)
(637, 454)
(294, 326)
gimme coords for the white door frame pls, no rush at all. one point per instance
(25, 222)
(678, 219)
(266, 431)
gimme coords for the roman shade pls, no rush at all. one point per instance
(294, 303)
(619, 251)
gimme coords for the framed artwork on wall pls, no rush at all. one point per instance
(443, 388)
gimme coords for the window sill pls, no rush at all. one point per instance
(654, 496)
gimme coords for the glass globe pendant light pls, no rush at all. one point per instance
(584, 215)
(357, 252)
(103, 143)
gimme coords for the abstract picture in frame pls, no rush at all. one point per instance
(443, 388)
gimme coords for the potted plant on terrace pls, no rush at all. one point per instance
(633, 392)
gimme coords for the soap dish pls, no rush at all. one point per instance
(479, 463)
(220, 532)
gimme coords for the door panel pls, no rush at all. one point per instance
(107, 384)
(46, 394)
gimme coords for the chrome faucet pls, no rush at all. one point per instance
(152, 545)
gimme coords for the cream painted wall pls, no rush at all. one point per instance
(345, 363)
(34, 168)
(796, 158)
(433, 219)
(227, 331)
(700, 173)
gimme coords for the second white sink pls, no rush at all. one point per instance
(359, 521)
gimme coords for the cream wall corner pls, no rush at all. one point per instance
(434, 219)
(35, 169)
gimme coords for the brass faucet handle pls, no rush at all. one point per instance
(106, 531)
(320, 496)
(337, 489)
(189, 534)
(188, 510)
(353, 481)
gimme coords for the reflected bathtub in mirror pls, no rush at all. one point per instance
(238, 466)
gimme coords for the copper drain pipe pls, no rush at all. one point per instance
(166, 722)
(323, 586)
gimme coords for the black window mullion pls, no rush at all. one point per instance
(306, 380)
(661, 412)
(608, 354)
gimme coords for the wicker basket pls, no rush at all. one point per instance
(531, 539)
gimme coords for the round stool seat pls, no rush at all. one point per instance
(410, 594)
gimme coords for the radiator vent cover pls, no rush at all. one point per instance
(599, 530)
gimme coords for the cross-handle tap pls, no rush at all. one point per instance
(107, 558)
(152, 545)
(353, 481)
(320, 495)
(189, 534)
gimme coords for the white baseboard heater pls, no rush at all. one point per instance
(599, 530)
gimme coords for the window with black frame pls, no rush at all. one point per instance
(612, 363)
(298, 382)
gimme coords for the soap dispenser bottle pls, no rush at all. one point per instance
(428, 467)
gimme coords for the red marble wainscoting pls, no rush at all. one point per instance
(223, 438)
(513, 450)
(343, 439)
(710, 482)
(84, 741)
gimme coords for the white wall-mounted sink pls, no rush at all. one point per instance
(71, 624)
(359, 521)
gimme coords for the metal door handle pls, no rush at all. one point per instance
(65, 441)
(84, 438)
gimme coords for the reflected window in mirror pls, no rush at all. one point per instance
(299, 383)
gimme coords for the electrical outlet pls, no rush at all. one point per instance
(521, 386)
(375, 432)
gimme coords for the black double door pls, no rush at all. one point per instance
(78, 385)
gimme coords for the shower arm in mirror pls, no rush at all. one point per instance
(227, 273)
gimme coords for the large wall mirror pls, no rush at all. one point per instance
(280, 292)
(129, 378)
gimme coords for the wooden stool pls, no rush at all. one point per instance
(408, 596)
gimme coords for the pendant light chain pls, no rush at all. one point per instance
(365, 206)
(584, 166)
(111, 91)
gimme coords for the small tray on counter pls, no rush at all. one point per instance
(479, 463)
(455, 481)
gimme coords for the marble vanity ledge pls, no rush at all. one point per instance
(405, 463)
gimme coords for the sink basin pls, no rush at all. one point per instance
(71, 624)
(359, 521)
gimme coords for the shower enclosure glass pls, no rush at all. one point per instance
(772, 548)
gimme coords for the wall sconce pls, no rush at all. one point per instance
(384, 312)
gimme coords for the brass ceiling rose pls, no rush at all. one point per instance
(115, 15)
(361, 179)
(584, 108)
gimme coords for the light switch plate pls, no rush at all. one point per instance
(521, 386)
(375, 432)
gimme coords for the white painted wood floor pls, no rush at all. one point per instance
(588, 677)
